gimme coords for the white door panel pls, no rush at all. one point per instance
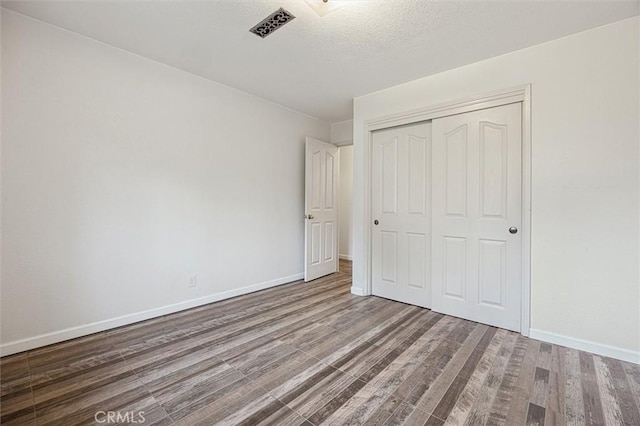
(321, 207)
(476, 198)
(400, 196)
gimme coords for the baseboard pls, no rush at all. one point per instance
(345, 257)
(96, 327)
(585, 345)
(357, 291)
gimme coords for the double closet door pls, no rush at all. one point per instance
(447, 212)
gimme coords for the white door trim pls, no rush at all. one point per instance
(503, 97)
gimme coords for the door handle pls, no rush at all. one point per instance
(513, 230)
(308, 216)
(375, 222)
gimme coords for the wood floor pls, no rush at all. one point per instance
(314, 354)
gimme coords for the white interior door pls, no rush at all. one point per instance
(322, 174)
(401, 239)
(477, 244)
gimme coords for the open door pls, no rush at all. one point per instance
(322, 174)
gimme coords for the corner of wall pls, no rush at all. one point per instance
(357, 291)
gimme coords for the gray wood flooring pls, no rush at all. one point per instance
(315, 354)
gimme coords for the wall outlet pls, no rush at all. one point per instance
(193, 280)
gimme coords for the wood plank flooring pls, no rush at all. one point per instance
(311, 354)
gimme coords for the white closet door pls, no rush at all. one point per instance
(401, 213)
(476, 244)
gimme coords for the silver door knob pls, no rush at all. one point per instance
(513, 230)
(308, 216)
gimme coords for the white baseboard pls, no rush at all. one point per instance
(95, 327)
(585, 345)
(345, 257)
(357, 291)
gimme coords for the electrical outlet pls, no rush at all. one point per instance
(193, 280)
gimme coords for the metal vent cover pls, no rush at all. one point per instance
(272, 23)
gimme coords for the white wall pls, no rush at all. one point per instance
(121, 177)
(346, 202)
(342, 133)
(585, 177)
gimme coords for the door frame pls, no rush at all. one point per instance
(520, 94)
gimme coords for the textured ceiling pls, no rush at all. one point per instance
(314, 64)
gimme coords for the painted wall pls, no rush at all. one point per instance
(122, 177)
(585, 177)
(342, 133)
(346, 202)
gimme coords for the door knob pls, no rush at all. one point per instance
(375, 222)
(308, 216)
(513, 230)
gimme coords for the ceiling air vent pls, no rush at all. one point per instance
(272, 23)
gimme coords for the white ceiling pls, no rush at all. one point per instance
(314, 64)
